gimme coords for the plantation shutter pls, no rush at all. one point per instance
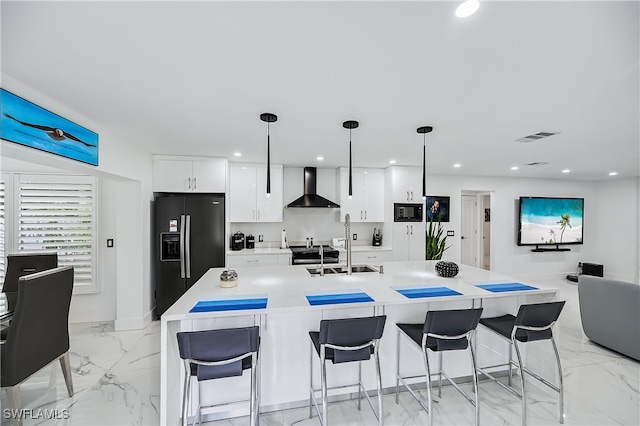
(57, 213)
(2, 230)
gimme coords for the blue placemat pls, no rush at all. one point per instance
(416, 293)
(229, 304)
(502, 287)
(333, 299)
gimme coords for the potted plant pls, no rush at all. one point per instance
(436, 241)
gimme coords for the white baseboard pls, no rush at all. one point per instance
(133, 323)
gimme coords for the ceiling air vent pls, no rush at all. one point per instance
(538, 163)
(536, 136)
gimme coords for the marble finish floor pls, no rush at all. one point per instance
(116, 376)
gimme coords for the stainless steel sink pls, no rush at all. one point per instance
(341, 269)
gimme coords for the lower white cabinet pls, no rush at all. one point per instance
(236, 261)
(409, 241)
(371, 257)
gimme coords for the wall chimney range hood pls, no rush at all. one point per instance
(310, 197)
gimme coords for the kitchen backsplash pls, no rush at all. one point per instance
(320, 224)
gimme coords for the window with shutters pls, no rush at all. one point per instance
(2, 227)
(57, 213)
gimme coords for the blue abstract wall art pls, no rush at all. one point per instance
(28, 124)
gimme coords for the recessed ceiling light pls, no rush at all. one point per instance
(237, 154)
(320, 158)
(515, 168)
(467, 8)
(613, 173)
(392, 161)
(566, 171)
(456, 165)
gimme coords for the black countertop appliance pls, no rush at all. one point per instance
(376, 241)
(250, 242)
(237, 241)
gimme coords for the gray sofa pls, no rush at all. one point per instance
(610, 313)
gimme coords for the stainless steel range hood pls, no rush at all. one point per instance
(310, 197)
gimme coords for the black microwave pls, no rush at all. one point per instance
(407, 212)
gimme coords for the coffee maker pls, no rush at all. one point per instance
(376, 241)
(250, 242)
(237, 241)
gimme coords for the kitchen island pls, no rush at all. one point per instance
(285, 353)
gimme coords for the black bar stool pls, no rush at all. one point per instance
(214, 354)
(447, 330)
(346, 340)
(533, 323)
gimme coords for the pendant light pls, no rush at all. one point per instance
(268, 118)
(424, 130)
(350, 124)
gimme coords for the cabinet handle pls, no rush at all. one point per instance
(411, 229)
(189, 184)
(253, 261)
(253, 215)
(372, 257)
(407, 229)
(365, 215)
(408, 196)
(194, 183)
(360, 214)
(412, 200)
(258, 216)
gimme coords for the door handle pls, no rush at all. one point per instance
(411, 229)
(189, 183)
(182, 227)
(407, 229)
(194, 183)
(360, 214)
(408, 196)
(365, 215)
(462, 238)
(188, 247)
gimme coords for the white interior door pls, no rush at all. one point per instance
(469, 231)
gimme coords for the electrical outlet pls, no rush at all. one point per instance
(110, 242)
(355, 237)
(450, 234)
(260, 238)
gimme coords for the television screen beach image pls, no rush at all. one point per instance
(550, 221)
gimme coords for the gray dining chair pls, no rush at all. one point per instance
(21, 264)
(39, 332)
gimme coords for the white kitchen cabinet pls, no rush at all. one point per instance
(374, 258)
(248, 201)
(181, 175)
(367, 202)
(409, 241)
(236, 261)
(406, 184)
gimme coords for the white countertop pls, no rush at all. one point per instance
(261, 250)
(287, 286)
(365, 248)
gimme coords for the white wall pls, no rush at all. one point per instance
(614, 246)
(618, 230)
(126, 172)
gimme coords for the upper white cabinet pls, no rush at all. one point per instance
(187, 175)
(248, 200)
(406, 184)
(367, 202)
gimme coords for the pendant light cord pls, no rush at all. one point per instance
(268, 158)
(350, 168)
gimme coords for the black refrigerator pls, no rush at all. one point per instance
(189, 239)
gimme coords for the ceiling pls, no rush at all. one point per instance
(192, 79)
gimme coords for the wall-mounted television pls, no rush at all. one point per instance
(548, 221)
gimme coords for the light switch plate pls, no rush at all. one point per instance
(110, 242)
(355, 237)
(450, 234)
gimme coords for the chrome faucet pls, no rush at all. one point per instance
(347, 243)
